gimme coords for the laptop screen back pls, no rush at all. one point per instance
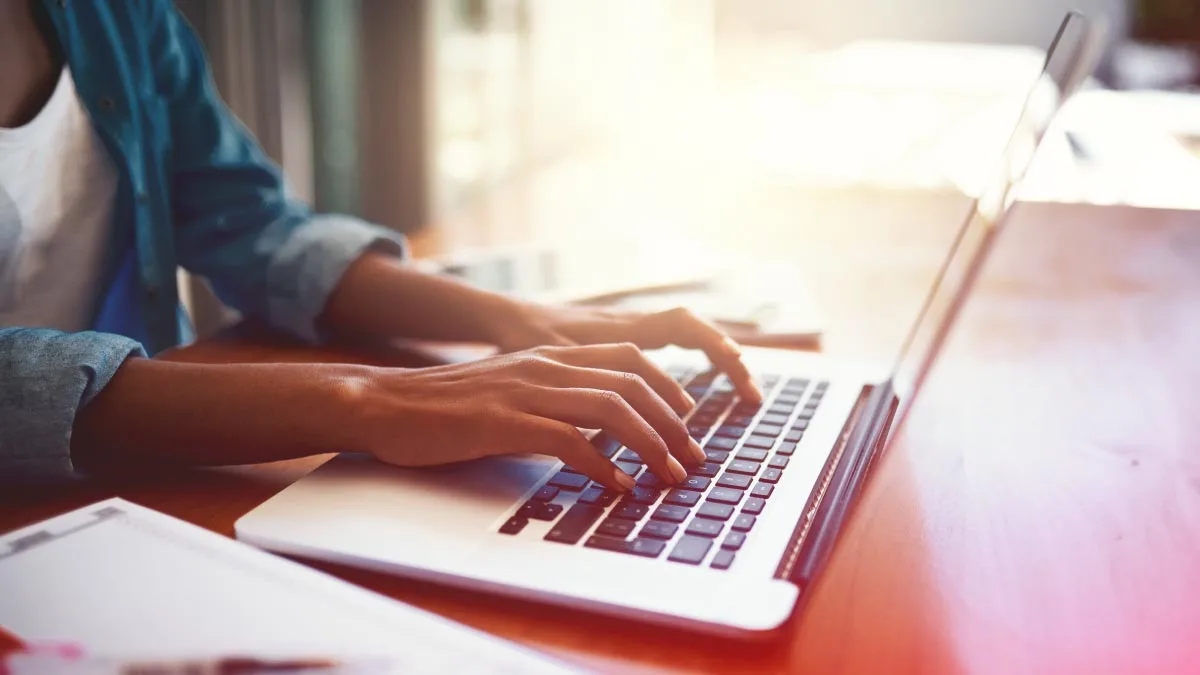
(1068, 63)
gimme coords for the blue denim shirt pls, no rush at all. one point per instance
(194, 190)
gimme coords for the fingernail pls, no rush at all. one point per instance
(697, 451)
(690, 400)
(623, 479)
(758, 392)
(676, 469)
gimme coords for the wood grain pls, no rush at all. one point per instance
(1040, 512)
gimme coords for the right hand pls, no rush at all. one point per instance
(528, 402)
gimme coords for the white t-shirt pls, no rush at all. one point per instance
(57, 188)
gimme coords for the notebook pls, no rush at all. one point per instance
(122, 582)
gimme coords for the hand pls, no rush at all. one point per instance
(590, 325)
(530, 401)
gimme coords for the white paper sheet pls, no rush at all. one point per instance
(125, 582)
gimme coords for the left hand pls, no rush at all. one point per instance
(566, 326)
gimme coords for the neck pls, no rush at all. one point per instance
(31, 66)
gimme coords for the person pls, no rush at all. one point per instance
(119, 162)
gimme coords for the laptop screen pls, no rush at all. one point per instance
(1069, 61)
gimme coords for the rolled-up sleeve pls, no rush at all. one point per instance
(46, 377)
(306, 267)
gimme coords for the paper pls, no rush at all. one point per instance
(124, 582)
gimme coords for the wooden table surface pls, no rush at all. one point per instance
(1039, 513)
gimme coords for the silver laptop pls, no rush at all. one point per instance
(732, 550)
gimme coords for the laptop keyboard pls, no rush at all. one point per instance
(705, 518)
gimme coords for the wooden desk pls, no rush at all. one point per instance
(1040, 513)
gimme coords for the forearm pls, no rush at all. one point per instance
(193, 414)
(380, 296)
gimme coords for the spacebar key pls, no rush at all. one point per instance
(575, 523)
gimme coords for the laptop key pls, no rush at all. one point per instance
(786, 449)
(630, 511)
(725, 495)
(730, 431)
(762, 489)
(616, 527)
(680, 497)
(733, 541)
(630, 456)
(744, 522)
(734, 480)
(708, 470)
(743, 466)
(651, 481)
(546, 511)
(719, 443)
(746, 408)
(754, 506)
(690, 550)
(659, 529)
(569, 481)
(773, 418)
(771, 476)
(793, 436)
(718, 456)
(714, 511)
(598, 495)
(514, 525)
(752, 454)
(629, 467)
(722, 560)
(574, 524)
(778, 462)
(671, 513)
(740, 420)
(641, 495)
(545, 493)
(606, 445)
(768, 430)
(697, 431)
(761, 442)
(705, 528)
(648, 548)
(797, 383)
(800, 425)
(696, 483)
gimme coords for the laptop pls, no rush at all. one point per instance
(734, 549)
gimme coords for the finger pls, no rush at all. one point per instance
(562, 440)
(627, 357)
(608, 410)
(683, 328)
(649, 406)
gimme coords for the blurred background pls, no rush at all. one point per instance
(577, 146)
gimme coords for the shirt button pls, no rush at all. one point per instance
(106, 103)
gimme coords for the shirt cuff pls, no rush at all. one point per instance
(304, 271)
(46, 377)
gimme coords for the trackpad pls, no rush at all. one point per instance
(465, 496)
